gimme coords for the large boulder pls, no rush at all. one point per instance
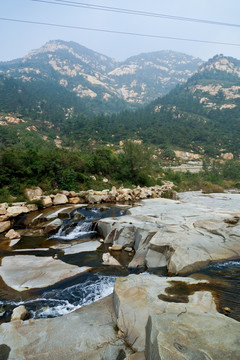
(182, 235)
(46, 201)
(52, 226)
(192, 336)
(60, 199)
(23, 272)
(108, 259)
(13, 211)
(173, 318)
(33, 193)
(12, 234)
(87, 333)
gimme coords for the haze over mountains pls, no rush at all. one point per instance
(58, 88)
(138, 80)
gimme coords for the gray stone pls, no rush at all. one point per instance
(23, 272)
(60, 199)
(192, 336)
(86, 334)
(108, 259)
(136, 297)
(47, 201)
(13, 211)
(182, 235)
(33, 193)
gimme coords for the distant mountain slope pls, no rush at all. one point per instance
(91, 75)
(143, 77)
(202, 115)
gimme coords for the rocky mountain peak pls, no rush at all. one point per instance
(222, 63)
(137, 80)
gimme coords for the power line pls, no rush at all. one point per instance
(135, 12)
(118, 32)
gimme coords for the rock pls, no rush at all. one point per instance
(75, 248)
(32, 207)
(78, 216)
(64, 192)
(3, 206)
(72, 194)
(34, 233)
(14, 242)
(23, 272)
(52, 227)
(19, 313)
(128, 249)
(5, 225)
(13, 211)
(4, 217)
(136, 297)
(47, 201)
(136, 356)
(192, 336)
(110, 260)
(227, 309)
(19, 203)
(33, 193)
(92, 198)
(74, 200)
(87, 333)
(60, 199)
(12, 234)
(183, 235)
(116, 247)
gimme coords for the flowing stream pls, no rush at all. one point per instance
(78, 231)
(77, 242)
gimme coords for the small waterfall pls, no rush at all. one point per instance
(69, 232)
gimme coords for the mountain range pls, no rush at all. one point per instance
(90, 75)
(61, 91)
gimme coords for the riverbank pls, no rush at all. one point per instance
(147, 316)
(37, 199)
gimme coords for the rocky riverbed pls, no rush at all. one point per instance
(148, 316)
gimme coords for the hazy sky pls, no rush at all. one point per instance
(17, 39)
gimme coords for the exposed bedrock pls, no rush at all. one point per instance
(183, 235)
(174, 319)
(86, 334)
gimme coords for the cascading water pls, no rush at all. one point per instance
(58, 302)
(71, 294)
(79, 231)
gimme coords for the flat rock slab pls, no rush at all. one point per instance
(76, 248)
(86, 334)
(136, 297)
(174, 319)
(183, 235)
(191, 336)
(23, 272)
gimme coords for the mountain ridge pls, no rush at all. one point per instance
(90, 74)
